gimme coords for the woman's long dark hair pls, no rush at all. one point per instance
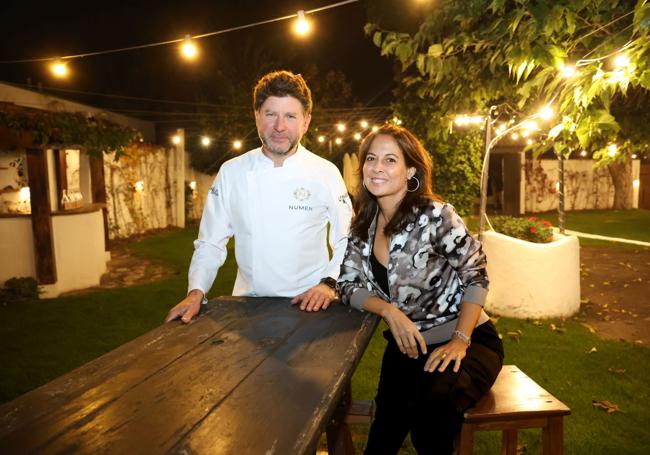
(365, 205)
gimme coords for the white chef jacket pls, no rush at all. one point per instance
(278, 216)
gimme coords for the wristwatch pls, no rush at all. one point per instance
(329, 281)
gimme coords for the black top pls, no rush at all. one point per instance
(380, 273)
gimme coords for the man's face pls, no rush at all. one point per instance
(281, 123)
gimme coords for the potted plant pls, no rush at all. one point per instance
(533, 271)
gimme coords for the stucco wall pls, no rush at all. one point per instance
(16, 248)
(79, 251)
(585, 186)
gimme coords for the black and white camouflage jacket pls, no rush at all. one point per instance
(434, 265)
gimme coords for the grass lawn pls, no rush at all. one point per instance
(44, 339)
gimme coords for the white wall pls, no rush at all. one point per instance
(585, 187)
(79, 252)
(159, 205)
(16, 248)
(203, 184)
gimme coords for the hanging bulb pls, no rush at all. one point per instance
(189, 49)
(301, 26)
(59, 68)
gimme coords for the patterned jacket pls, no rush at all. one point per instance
(434, 264)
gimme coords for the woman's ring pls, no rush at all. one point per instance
(443, 355)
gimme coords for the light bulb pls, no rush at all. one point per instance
(364, 124)
(340, 126)
(188, 48)
(205, 141)
(59, 68)
(302, 25)
(321, 139)
(236, 144)
(176, 139)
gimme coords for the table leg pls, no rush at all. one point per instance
(553, 436)
(466, 440)
(509, 442)
(339, 437)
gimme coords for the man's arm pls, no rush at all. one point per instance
(209, 251)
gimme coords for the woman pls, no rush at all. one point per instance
(411, 260)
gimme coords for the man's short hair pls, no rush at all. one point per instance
(282, 83)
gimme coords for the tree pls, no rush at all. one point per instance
(581, 57)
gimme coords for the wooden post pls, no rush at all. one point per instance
(41, 216)
(98, 189)
(61, 176)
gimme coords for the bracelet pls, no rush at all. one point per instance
(460, 335)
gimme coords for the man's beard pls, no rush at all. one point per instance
(276, 150)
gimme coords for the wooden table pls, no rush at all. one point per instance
(249, 376)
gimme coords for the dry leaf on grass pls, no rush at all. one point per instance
(616, 370)
(537, 323)
(557, 329)
(514, 336)
(592, 350)
(590, 328)
(605, 405)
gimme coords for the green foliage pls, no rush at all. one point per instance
(19, 290)
(456, 158)
(530, 229)
(95, 135)
(467, 56)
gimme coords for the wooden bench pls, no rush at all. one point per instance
(515, 402)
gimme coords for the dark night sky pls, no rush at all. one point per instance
(44, 29)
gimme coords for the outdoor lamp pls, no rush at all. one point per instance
(302, 25)
(188, 48)
(59, 68)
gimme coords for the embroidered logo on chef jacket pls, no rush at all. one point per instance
(214, 191)
(344, 198)
(301, 194)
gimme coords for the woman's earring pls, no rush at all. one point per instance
(414, 189)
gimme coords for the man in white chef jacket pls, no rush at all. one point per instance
(276, 201)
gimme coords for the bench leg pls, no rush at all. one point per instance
(553, 436)
(509, 442)
(465, 443)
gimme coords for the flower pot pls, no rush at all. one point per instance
(532, 280)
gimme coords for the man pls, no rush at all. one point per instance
(276, 201)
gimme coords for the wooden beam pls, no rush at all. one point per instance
(60, 168)
(41, 216)
(98, 190)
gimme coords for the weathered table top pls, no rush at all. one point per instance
(249, 376)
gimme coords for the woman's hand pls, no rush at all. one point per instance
(406, 334)
(443, 355)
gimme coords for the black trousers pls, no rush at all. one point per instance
(430, 405)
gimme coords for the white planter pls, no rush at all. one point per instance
(532, 280)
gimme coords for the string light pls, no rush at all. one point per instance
(612, 149)
(321, 139)
(176, 139)
(621, 61)
(189, 49)
(583, 153)
(205, 141)
(364, 124)
(546, 113)
(375, 129)
(568, 71)
(237, 144)
(59, 68)
(301, 26)
(357, 136)
(338, 141)
(340, 126)
(515, 136)
(634, 156)
(529, 142)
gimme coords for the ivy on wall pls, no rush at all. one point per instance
(45, 128)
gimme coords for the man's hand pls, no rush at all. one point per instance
(317, 298)
(187, 308)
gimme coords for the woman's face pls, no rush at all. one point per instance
(385, 174)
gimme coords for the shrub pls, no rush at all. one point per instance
(19, 290)
(531, 229)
